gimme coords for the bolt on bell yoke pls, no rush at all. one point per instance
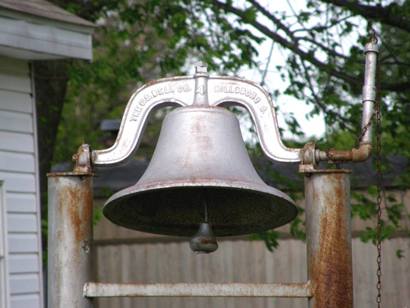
(200, 175)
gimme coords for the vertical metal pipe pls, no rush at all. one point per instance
(69, 237)
(328, 223)
(369, 90)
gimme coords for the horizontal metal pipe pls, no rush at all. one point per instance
(92, 289)
(361, 153)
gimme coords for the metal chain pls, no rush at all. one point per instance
(378, 157)
(364, 130)
(379, 202)
(378, 162)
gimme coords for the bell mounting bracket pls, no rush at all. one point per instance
(198, 90)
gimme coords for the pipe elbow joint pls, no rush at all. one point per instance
(362, 153)
(356, 154)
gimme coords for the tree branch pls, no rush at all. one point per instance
(293, 46)
(389, 15)
(322, 28)
(323, 47)
(318, 100)
(272, 18)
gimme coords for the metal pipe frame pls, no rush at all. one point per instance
(328, 233)
(70, 207)
(92, 289)
(330, 283)
(327, 194)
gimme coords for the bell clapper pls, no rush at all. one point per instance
(204, 240)
(205, 212)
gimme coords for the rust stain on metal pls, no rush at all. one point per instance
(360, 154)
(331, 270)
(339, 155)
(82, 160)
(80, 217)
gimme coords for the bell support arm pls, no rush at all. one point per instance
(231, 90)
(167, 91)
(196, 90)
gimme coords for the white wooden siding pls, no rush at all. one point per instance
(22, 243)
(18, 223)
(20, 162)
(43, 39)
(4, 283)
(16, 142)
(21, 203)
(16, 122)
(19, 182)
(23, 263)
(29, 300)
(24, 284)
(16, 83)
(18, 170)
(15, 101)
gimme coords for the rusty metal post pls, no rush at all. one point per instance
(69, 237)
(328, 223)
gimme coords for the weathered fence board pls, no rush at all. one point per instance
(246, 261)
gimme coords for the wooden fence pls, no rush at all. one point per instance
(122, 255)
(246, 261)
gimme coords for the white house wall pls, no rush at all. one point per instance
(18, 170)
(37, 40)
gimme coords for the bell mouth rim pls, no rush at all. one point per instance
(287, 203)
(201, 183)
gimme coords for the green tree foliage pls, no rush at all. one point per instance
(323, 41)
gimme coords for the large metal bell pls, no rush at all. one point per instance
(200, 165)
